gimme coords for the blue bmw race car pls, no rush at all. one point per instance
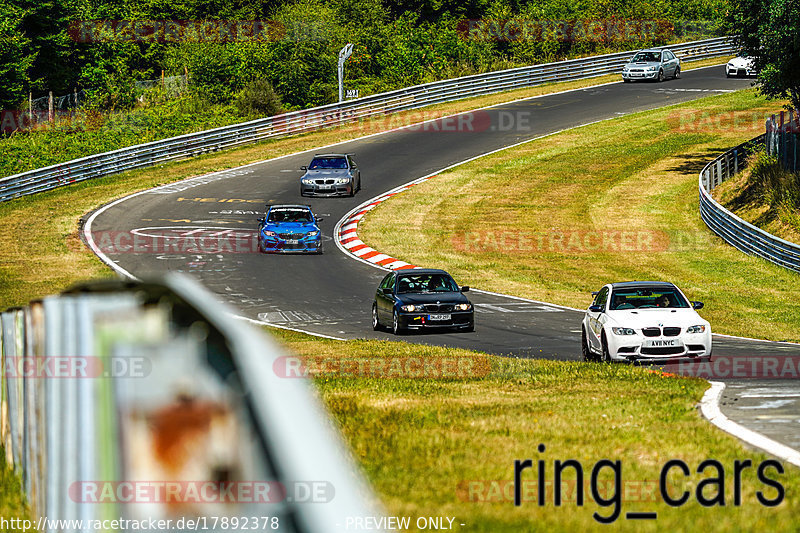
(289, 228)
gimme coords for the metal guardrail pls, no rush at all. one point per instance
(306, 120)
(733, 230)
(115, 387)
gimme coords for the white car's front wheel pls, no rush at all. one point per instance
(585, 351)
(606, 354)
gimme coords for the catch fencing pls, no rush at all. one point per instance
(116, 388)
(306, 120)
(735, 231)
(783, 138)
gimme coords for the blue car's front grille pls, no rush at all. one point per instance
(293, 236)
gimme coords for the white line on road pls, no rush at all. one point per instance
(709, 406)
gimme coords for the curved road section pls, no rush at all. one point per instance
(206, 226)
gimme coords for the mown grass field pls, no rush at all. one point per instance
(559, 217)
(446, 447)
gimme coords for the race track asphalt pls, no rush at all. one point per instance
(331, 294)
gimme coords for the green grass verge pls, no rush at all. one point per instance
(12, 501)
(435, 447)
(559, 217)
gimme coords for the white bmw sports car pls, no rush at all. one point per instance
(648, 321)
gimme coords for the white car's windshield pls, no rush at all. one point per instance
(426, 283)
(654, 57)
(647, 298)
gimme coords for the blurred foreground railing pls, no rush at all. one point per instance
(151, 401)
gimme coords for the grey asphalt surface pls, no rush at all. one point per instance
(332, 294)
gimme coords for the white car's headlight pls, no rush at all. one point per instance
(623, 331)
(410, 308)
(462, 307)
(307, 181)
(342, 181)
(696, 329)
(651, 69)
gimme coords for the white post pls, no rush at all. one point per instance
(344, 53)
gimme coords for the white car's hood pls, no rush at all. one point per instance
(652, 317)
(741, 62)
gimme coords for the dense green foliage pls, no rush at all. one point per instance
(769, 31)
(397, 42)
(93, 132)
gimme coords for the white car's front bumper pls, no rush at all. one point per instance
(739, 71)
(631, 75)
(639, 346)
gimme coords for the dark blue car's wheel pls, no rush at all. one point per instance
(396, 329)
(376, 323)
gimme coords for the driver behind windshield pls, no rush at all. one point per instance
(433, 283)
(328, 162)
(289, 216)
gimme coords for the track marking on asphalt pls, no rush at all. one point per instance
(775, 394)
(517, 307)
(767, 405)
(200, 180)
(294, 316)
(684, 90)
(709, 406)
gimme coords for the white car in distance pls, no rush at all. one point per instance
(644, 321)
(740, 66)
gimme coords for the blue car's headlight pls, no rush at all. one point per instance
(342, 181)
(411, 308)
(312, 233)
(268, 233)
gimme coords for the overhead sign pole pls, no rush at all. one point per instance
(344, 53)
